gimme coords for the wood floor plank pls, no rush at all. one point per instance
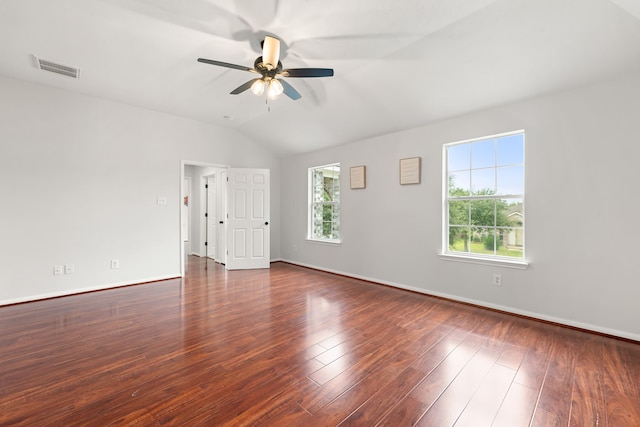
(621, 388)
(557, 388)
(587, 411)
(241, 348)
(544, 418)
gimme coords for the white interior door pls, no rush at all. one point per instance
(248, 239)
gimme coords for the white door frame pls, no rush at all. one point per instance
(186, 211)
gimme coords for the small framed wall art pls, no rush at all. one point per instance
(410, 170)
(358, 177)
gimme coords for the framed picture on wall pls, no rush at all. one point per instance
(410, 170)
(358, 177)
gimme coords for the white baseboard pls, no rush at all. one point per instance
(539, 316)
(84, 290)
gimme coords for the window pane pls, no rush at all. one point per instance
(326, 221)
(483, 181)
(483, 154)
(459, 212)
(483, 240)
(511, 242)
(335, 222)
(513, 212)
(318, 186)
(459, 183)
(459, 239)
(483, 213)
(317, 221)
(328, 189)
(511, 150)
(510, 180)
(458, 157)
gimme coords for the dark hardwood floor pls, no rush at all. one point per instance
(291, 346)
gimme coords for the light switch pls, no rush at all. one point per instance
(162, 200)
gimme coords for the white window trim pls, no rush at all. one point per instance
(493, 261)
(327, 242)
(472, 258)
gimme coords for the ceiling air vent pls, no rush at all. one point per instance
(53, 67)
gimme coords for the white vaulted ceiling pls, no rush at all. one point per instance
(398, 63)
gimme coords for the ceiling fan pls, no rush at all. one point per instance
(270, 68)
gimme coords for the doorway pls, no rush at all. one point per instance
(229, 212)
(204, 185)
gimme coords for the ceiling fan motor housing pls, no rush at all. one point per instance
(263, 69)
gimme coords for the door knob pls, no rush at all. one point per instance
(266, 223)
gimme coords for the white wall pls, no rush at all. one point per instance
(79, 181)
(582, 154)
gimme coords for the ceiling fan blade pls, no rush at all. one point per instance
(271, 52)
(308, 72)
(289, 90)
(243, 87)
(226, 64)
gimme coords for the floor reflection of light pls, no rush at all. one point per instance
(322, 318)
(319, 308)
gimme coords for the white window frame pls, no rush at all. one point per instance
(477, 258)
(312, 204)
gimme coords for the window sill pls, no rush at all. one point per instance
(517, 264)
(325, 242)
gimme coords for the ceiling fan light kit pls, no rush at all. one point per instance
(274, 88)
(270, 68)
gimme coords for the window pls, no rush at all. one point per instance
(324, 203)
(484, 197)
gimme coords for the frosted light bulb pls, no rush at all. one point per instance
(258, 87)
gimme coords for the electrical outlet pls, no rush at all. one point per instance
(115, 263)
(497, 279)
(162, 200)
(58, 270)
(69, 269)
